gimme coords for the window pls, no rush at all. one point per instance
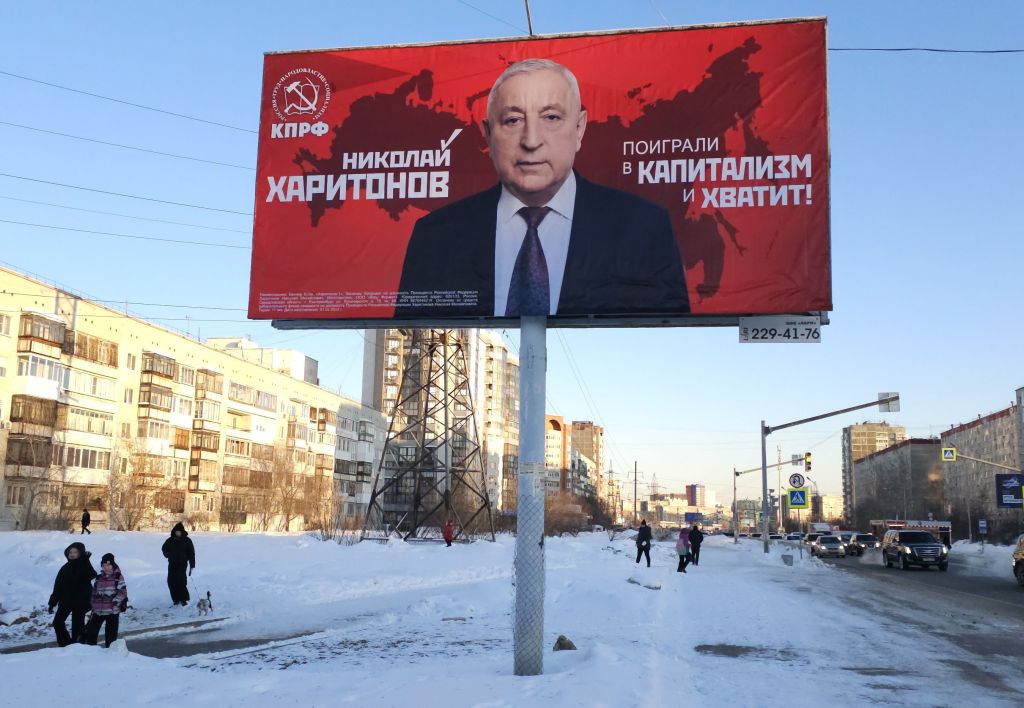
(207, 380)
(262, 452)
(29, 450)
(345, 445)
(126, 430)
(29, 409)
(128, 395)
(239, 421)
(206, 440)
(84, 457)
(86, 346)
(392, 360)
(236, 447)
(91, 385)
(42, 368)
(196, 501)
(158, 364)
(247, 394)
(179, 468)
(209, 503)
(155, 429)
(236, 476)
(182, 406)
(85, 421)
(208, 471)
(156, 396)
(181, 436)
(184, 375)
(208, 410)
(5, 325)
(232, 503)
(39, 327)
(3, 367)
(15, 496)
(390, 391)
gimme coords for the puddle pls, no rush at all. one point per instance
(739, 650)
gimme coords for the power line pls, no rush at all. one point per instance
(156, 319)
(131, 236)
(936, 50)
(126, 216)
(127, 103)
(131, 302)
(494, 17)
(129, 196)
(125, 147)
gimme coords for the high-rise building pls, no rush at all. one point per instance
(144, 426)
(695, 495)
(902, 481)
(556, 454)
(860, 440)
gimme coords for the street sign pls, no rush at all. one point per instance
(949, 454)
(796, 480)
(780, 328)
(797, 460)
(891, 406)
(982, 527)
(1009, 494)
(798, 499)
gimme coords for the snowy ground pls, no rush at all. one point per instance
(312, 623)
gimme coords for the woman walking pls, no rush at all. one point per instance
(683, 549)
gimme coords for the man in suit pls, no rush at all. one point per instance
(544, 241)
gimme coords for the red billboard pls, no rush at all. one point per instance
(662, 176)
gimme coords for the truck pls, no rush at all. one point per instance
(819, 528)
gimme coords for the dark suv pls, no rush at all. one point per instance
(913, 548)
(1018, 561)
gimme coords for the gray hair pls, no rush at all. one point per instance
(528, 66)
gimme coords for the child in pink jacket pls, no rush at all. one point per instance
(109, 600)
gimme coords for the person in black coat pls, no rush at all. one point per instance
(72, 593)
(86, 520)
(696, 538)
(180, 554)
(643, 542)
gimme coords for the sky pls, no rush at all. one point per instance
(926, 242)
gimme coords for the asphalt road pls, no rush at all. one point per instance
(997, 596)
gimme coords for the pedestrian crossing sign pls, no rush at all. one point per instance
(798, 499)
(949, 454)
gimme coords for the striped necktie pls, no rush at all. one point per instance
(530, 290)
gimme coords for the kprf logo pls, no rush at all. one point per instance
(301, 93)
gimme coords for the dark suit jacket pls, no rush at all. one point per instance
(622, 257)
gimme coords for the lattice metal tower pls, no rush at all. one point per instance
(432, 466)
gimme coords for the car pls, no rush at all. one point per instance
(756, 534)
(813, 536)
(828, 545)
(775, 537)
(845, 536)
(913, 548)
(861, 542)
(793, 537)
(1018, 561)
(744, 535)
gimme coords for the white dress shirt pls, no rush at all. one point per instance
(554, 234)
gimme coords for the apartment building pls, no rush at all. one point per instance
(859, 441)
(145, 426)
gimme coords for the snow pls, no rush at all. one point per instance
(313, 623)
(984, 559)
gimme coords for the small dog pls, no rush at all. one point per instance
(205, 605)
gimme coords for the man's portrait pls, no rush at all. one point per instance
(544, 240)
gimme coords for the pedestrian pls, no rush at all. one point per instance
(643, 542)
(109, 600)
(71, 592)
(180, 554)
(86, 520)
(449, 532)
(683, 549)
(696, 538)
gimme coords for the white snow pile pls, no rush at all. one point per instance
(311, 623)
(984, 559)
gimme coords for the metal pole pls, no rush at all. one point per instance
(528, 627)
(529, 19)
(447, 430)
(735, 521)
(634, 493)
(764, 485)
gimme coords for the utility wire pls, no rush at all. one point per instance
(129, 196)
(129, 302)
(126, 103)
(131, 236)
(126, 216)
(936, 50)
(494, 17)
(126, 147)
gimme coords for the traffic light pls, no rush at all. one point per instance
(807, 462)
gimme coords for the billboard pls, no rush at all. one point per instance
(662, 176)
(1009, 494)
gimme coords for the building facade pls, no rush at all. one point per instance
(970, 486)
(859, 441)
(144, 426)
(904, 481)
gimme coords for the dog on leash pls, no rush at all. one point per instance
(205, 604)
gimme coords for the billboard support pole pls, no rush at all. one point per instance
(528, 624)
